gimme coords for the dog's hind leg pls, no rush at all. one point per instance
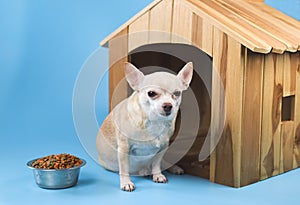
(175, 169)
(172, 168)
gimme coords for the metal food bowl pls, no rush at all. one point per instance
(56, 178)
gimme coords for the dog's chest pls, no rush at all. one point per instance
(145, 149)
(156, 129)
(151, 140)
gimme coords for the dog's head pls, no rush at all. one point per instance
(160, 92)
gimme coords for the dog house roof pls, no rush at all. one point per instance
(257, 26)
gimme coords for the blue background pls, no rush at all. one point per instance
(43, 45)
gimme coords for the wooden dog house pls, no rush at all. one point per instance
(255, 50)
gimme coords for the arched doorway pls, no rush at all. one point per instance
(171, 58)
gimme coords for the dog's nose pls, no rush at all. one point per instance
(167, 108)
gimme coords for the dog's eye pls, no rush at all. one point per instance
(152, 94)
(177, 93)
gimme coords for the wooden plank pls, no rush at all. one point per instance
(202, 34)
(271, 115)
(227, 156)
(139, 32)
(207, 38)
(295, 62)
(251, 123)
(229, 25)
(216, 107)
(105, 41)
(182, 23)
(197, 32)
(289, 74)
(287, 143)
(161, 22)
(233, 11)
(118, 55)
(296, 154)
(234, 102)
(277, 14)
(274, 29)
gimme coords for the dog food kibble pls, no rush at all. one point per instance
(59, 161)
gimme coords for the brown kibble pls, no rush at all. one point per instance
(59, 161)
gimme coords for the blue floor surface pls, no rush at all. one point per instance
(43, 44)
(98, 186)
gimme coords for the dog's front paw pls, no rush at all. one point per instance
(129, 186)
(126, 184)
(159, 178)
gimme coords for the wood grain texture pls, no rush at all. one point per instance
(296, 154)
(226, 167)
(289, 76)
(217, 101)
(182, 23)
(139, 32)
(118, 52)
(295, 63)
(257, 26)
(256, 29)
(202, 34)
(234, 102)
(197, 31)
(246, 20)
(251, 119)
(277, 14)
(271, 29)
(271, 115)
(230, 24)
(290, 132)
(287, 143)
(160, 24)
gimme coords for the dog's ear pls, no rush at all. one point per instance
(133, 75)
(185, 75)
